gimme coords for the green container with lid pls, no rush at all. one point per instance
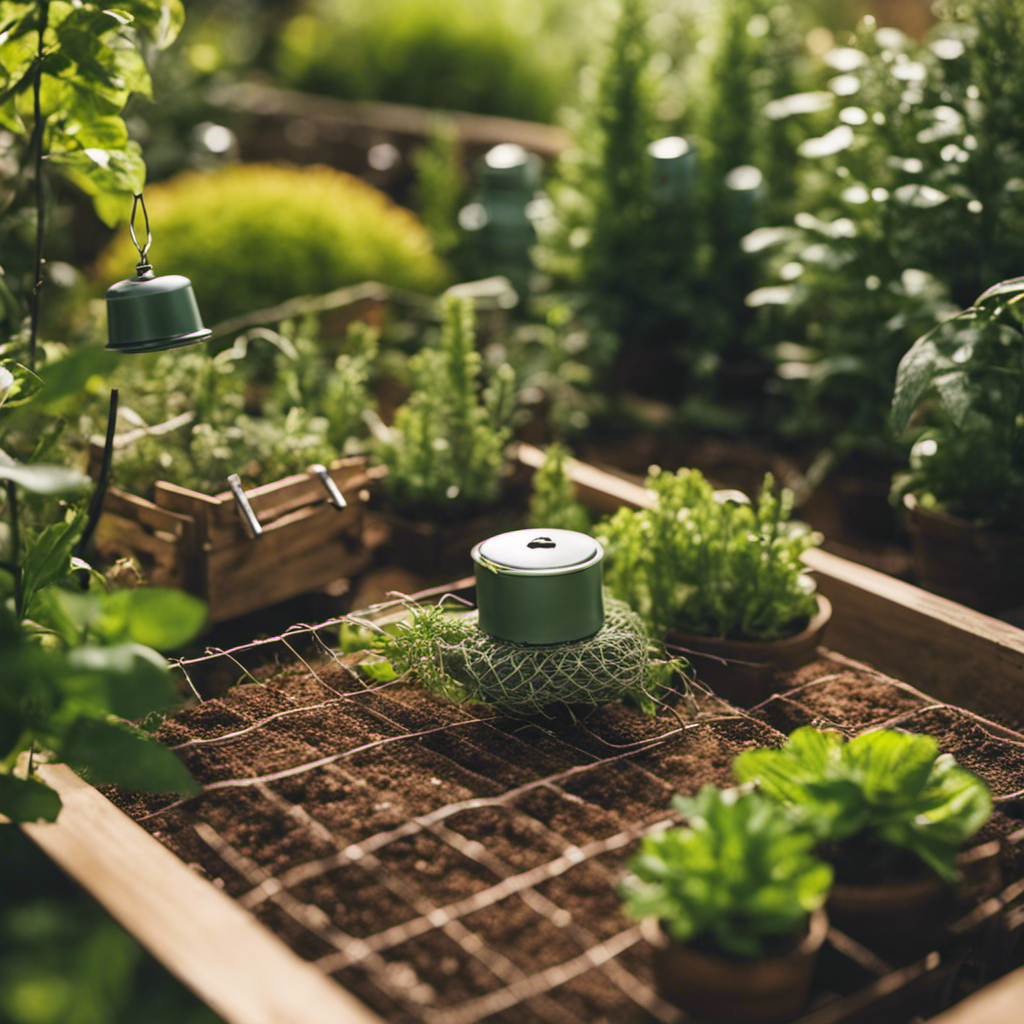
(539, 586)
(151, 314)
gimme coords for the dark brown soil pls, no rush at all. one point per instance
(438, 857)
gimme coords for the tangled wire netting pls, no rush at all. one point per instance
(526, 678)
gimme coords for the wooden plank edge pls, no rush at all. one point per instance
(999, 1002)
(217, 949)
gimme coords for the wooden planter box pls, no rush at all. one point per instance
(200, 543)
(248, 976)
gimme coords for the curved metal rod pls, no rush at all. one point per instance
(143, 265)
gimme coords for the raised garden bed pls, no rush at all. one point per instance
(448, 864)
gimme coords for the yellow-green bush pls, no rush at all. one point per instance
(252, 235)
(500, 57)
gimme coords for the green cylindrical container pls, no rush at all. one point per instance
(539, 586)
(150, 314)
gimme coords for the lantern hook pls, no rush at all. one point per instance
(143, 267)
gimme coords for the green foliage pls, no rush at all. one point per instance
(964, 379)
(716, 567)
(455, 659)
(76, 664)
(418, 643)
(886, 787)
(447, 450)
(739, 873)
(553, 504)
(452, 54)
(910, 208)
(66, 962)
(440, 186)
(311, 230)
(91, 62)
(311, 410)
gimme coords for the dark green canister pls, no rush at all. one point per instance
(150, 314)
(539, 586)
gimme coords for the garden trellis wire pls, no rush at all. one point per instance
(451, 865)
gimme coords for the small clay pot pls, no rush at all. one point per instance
(981, 568)
(744, 671)
(731, 990)
(899, 921)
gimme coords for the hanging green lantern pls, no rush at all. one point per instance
(148, 313)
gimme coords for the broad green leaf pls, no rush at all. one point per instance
(106, 170)
(45, 479)
(128, 680)
(69, 376)
(27, 799)
(117, 753)
(164, 619)
(48, 559)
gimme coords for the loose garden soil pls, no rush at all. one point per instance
(454, 865)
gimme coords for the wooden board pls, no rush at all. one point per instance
(220, 951)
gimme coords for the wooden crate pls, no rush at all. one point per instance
(187, 539)
(248, 976)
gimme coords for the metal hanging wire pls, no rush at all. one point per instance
(143, 266)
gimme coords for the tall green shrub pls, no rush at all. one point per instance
(448, 446)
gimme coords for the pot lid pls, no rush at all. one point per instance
(538, 552)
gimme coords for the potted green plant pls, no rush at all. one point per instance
(890, 813)
(447, 479)
(720, 577)
(732, 904)
(963, 491)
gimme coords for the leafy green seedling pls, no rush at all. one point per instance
(703, 565)
(739, 873)
(887, 787)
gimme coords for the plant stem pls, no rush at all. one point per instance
(98, 495)
(12, 514)
(37, 145)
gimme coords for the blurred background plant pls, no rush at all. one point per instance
(962, 388)
(268, 406)
(446, 453)
(513, 58)
(910, 206)
(251, 235)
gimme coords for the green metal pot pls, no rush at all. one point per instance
(150, 314)
(539, 586)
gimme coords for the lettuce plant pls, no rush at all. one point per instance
(739, 873)
(884, 788)
(699, 564)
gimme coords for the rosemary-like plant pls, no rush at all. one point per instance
(715, 567)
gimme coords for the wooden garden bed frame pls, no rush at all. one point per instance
(248, 976)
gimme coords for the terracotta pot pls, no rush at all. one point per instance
(731, 990)
(899, 921)
(744, 671)
(981, 568)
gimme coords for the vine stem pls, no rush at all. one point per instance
(37, 146)
(15, 522)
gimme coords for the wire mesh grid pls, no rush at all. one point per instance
(452, 865)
